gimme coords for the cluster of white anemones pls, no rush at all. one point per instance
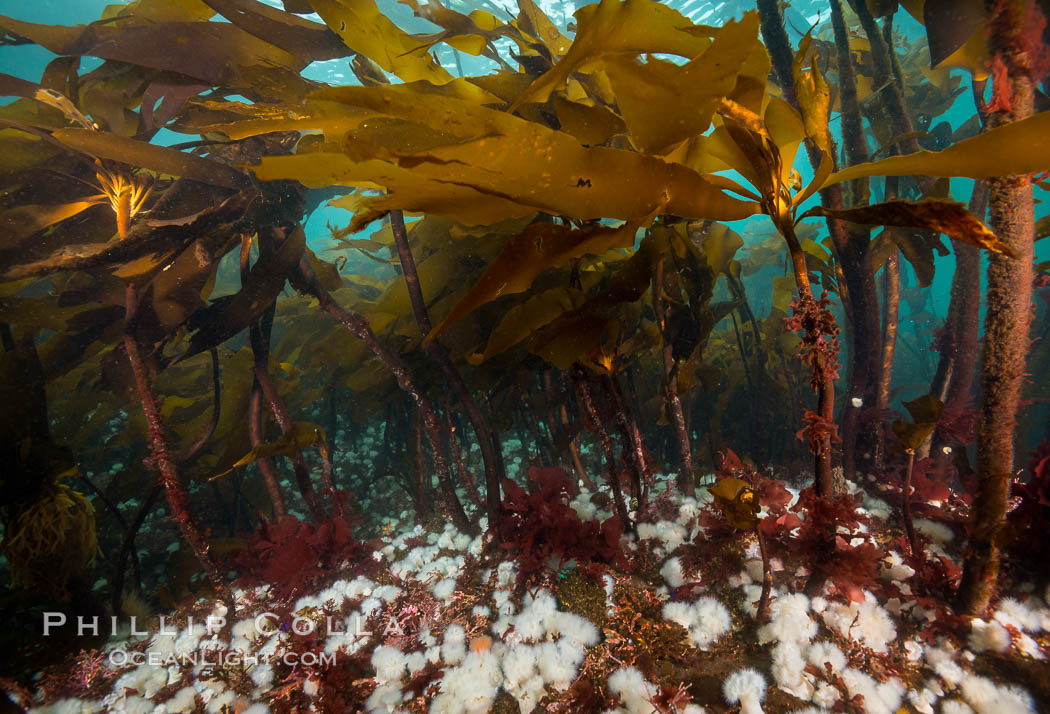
(532, 649)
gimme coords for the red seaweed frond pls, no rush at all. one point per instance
(820, 336)
(541, 526)
(816, 430)
(1024, 51)
(289, 553)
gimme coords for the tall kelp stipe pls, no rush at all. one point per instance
(559, 226)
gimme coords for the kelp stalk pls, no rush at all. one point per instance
(815, 321)
(736, 288)
(888, 82)
(462, 472)
(1008, 313)
(891, 305)
(752, 395)
(258, 338)
(632, 440)
(437, 351)
(853, 140)
(130, 530)
(556, 403)
(161, 456)
(809, 314)
(307, 281)
(127, 548)
(891, 290)
(579, 378)
(284, 421)
(855, 261)
(909, 527)
(672, 399)
(959, 343)
(964, 307)
(767, 576)
(259, 333)
(326, 479)
(265, 463)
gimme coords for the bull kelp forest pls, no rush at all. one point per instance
(469, 356)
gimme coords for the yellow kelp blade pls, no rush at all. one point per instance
(631, 27)
(301, 436)
(737, 501)
(664, 103)
(720, 244)
(814, 97)
(526, 255)
(467, 33)
(411, 190)
(21, 222)
(237, 120)
(591, 123)
(1020, 147)
(591, 333)
(925, 412)
(1042, 228)
(533, 21)
(368, 31)
(522, 320)
(507, 161)
(948, 217)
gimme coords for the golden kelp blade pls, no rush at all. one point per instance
(925, 412)
(738, 502)
(591, 333)
(368, 31)
(1020, 147)
(651, 96)
(522, 320)
(511, 161)
(302, 436)
(613, 27)
(526, 255)
(814, 97)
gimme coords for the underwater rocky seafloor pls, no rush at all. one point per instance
(576, 616)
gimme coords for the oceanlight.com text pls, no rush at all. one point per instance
(219, 658)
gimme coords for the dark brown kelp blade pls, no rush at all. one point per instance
(950, 24)
(948, 217)
(227, 316)
(144, 241)
(162, 159)
(218, 53)
(310, 41)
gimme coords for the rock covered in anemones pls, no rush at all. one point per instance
(865, 621)
(789, 620)
(706, 619)
(470, 687)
